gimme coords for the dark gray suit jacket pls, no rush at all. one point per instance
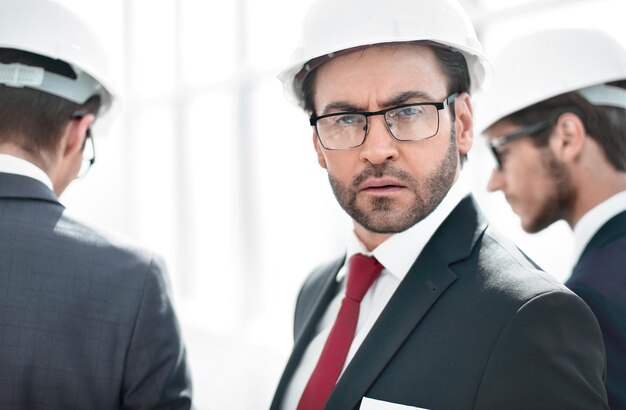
(599, 278)
(85, 323)
(473, 325)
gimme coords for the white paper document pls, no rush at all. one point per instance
(373, 404)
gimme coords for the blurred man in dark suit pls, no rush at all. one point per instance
(560, 143)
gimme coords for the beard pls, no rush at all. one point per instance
(382, 214)
(557, 204)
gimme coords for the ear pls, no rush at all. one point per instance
(75, 134)
(319, 150)
(569, 136)
(464, 123)
(69, 153)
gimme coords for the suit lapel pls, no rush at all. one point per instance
(307, 330)
(427, 280)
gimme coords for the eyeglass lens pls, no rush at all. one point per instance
(407, 123)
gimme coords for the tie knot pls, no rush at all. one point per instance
(363, 271)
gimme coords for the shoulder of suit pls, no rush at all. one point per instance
(106, 245)
(508, 272)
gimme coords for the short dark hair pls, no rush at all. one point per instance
(451, 62)
(32, 119)
(606, 125)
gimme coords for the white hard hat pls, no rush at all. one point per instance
(47, 28)
(331, 26)
(546, 63)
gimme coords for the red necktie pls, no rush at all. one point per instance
(362, 273)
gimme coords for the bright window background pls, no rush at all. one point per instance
(206, 163)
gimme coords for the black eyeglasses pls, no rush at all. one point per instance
(407, 122)
(89, 154)
(534, 129)
(89, 149)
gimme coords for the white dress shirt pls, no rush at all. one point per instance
(397, 254)
(14, 165)
(593, 220)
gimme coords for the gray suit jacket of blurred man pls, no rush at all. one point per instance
(85, 323)
(473, 325)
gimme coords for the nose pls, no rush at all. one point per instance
(496, 181)
(379, 145)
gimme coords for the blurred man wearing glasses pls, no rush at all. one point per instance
(560, 145)
(85, 320)
(428, 308)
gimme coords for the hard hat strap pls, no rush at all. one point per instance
(20, 75)
(76, 90)
(603, 94)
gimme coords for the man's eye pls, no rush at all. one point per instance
(502, 154)
(408, 112)
(348, 119)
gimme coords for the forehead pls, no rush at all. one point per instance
(381, 71)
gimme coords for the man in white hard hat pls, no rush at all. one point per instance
(85, 321)
(428, 308)
(556, 122)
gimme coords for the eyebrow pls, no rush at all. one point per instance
(340, 106)
(402, 98)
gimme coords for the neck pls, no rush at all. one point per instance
(594, 180)
(43, 160)
(368, 238)
(12, 149)
(592, 193)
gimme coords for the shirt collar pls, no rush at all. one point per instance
(398, 252)
(593, 220)
(14, 165)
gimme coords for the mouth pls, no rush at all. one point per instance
(381, 186)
